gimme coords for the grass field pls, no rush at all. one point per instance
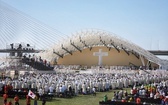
(77, 100)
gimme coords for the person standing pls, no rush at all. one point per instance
(5, 96)
(28, 100)
(84, 88)
(94, 91)
(9, 103)
(35, 100)
(43, 101)
(138, 101)
(16, 100)
(105, 98)
(40, 93)
(6, 88)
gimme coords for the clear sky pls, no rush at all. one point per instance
(144, 22)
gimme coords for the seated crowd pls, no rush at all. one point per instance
(72, 84)
(154, 93)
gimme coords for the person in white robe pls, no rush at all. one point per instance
(76, 89)
(84, 88)
(108, 85)
(118, 83)
(94, 91)
(101, 85)
(46, 89)
(33, 86)
(79, 87)
(1, 85)
(91, 86)
(40, 92)
(98, 85)
(57, 90)
(51, 89)
(104, 86)
(29, 82)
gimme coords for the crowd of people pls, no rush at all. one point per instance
(63, 84)
(16, 100)
(155, 91)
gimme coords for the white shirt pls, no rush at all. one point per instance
(51, 89)
(46, 88)
(61, 89)
(40, 91)
(151, 94)
(94, 90)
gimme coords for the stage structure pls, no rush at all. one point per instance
(22, 58)
(101, 48)
(16, 52)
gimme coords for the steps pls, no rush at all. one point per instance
(36, 65)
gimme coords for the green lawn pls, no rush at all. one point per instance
(77, 100)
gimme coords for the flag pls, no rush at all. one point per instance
(31, 94)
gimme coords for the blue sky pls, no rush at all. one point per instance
(144, 22)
